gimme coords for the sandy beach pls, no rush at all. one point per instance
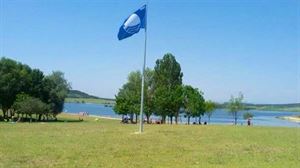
(95, 116)
(102, 117)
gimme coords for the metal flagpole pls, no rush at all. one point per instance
(143, 77)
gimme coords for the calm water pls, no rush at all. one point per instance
(220, 116)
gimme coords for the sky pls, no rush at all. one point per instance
(223, 47)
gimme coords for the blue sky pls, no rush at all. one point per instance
(223, 46)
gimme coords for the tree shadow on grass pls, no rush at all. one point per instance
(34, 120)
(64, 120)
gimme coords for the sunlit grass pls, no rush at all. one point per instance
(107, 143)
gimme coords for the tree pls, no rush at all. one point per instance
(35, 87)
(55, 90)
(193, 102)
(235, 105)
(122, 105)
(209, 108)
(28, 105)
(126, 102)
(248, 115)
(201, 106)
(128, 99)
(168, 102)
(167, 87)
(148, 94)
(15, 78)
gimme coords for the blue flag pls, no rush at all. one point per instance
(133, 23)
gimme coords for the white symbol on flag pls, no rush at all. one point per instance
(132, 24)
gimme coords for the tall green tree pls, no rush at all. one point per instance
(148, 94)
(201, 106)
(122, 104)
(168, 102)
(128, 99)
(55, 90)
(193, 102)
(235, 105)
(167, 86)
(14, 79)
(35, 87)
(210, 106)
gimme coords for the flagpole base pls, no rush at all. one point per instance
(138, 132)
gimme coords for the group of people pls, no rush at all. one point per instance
(126, 119)
(82, 114)
(205, 123)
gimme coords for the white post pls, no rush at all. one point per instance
(143, 77)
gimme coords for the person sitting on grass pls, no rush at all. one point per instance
(125, 120)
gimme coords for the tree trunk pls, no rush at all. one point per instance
(235, 118)
(189, 120)
(136, 117)
(30, 118)
(8, 115)
(55, 118)
(12, 113)
(163, 119)
(148, 119)
(131, 118)
(18, 117)
(4, 112)
(171, 119)
(177, 116)
(199, 119)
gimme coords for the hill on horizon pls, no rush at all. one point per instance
(80, 94)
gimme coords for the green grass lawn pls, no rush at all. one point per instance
(107, 143)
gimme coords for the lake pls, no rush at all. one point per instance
(220, 116)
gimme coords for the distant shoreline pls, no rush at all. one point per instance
(291, 118)
(111, 103)
(90, 100)
(286, 109)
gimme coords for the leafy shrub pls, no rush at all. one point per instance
(248, 115)
(27, 105)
